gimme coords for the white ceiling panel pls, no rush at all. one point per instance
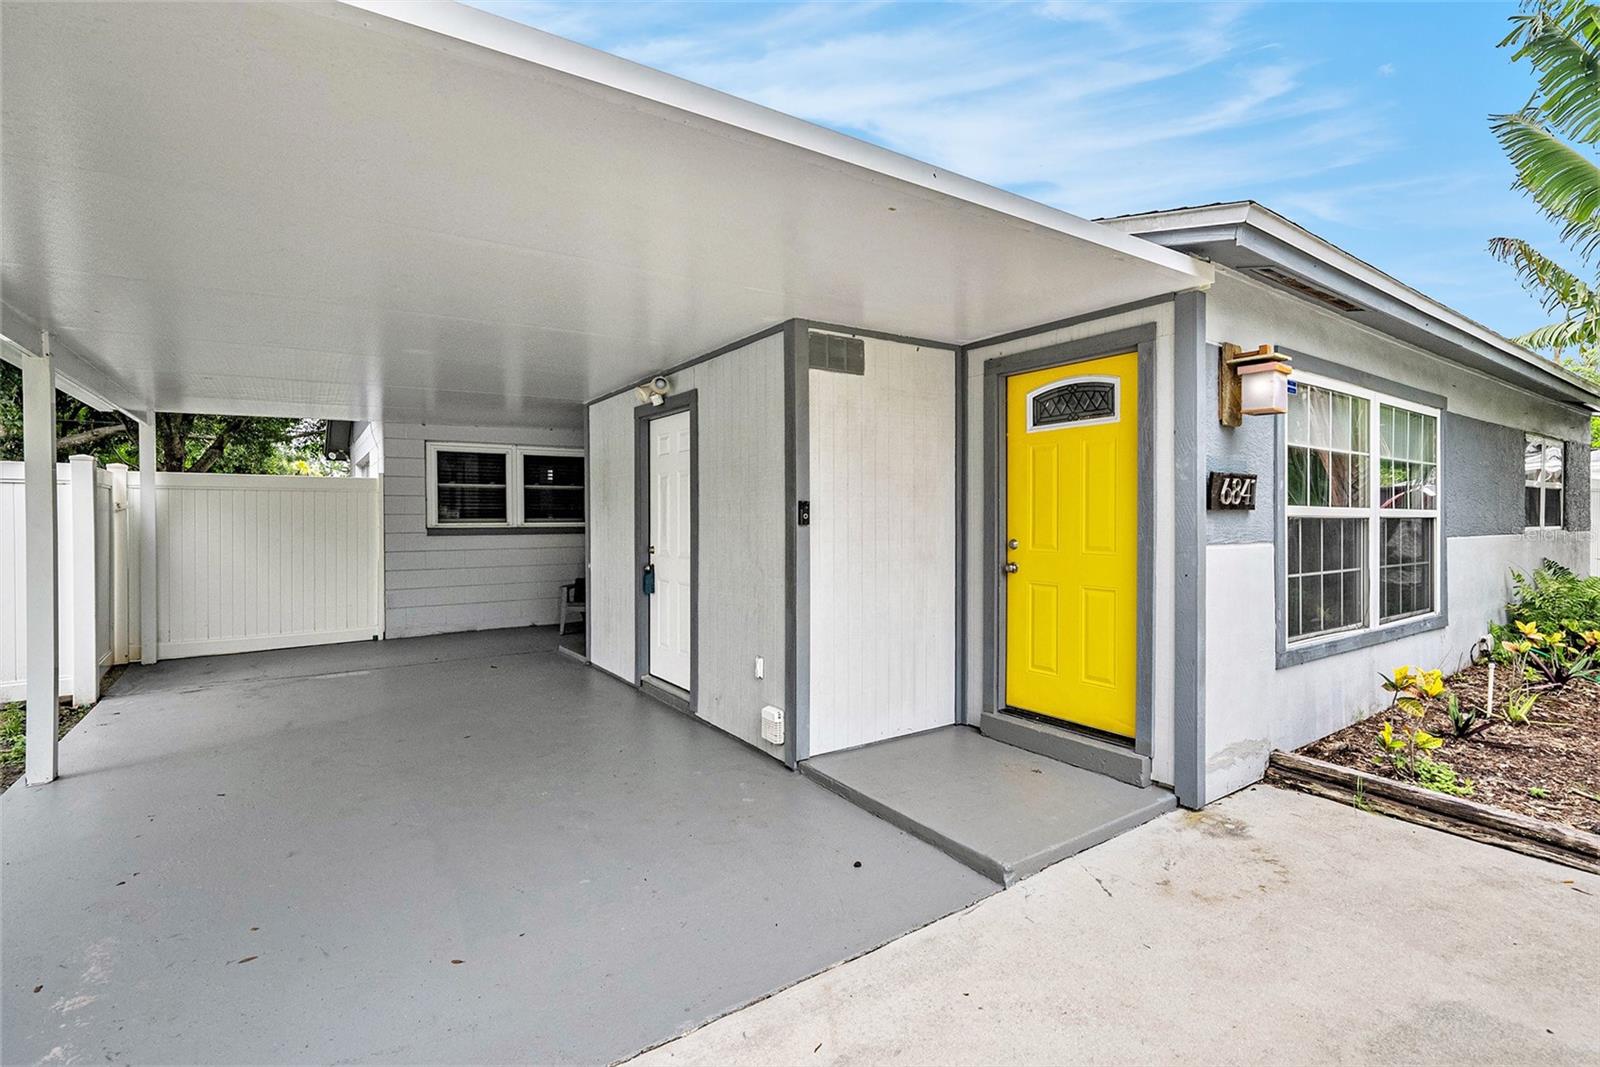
(433, 213)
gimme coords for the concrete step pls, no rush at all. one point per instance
(1002, 810)
(1069, 746)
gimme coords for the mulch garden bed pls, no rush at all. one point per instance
(1546, 769)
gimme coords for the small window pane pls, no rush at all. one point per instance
(1543, 466)
(1327, 579)
(1298, 491)
(470, 487)
(1321, 419)
(1299, 402)
(552, 488)
(1341, 422)
(1320, 461)
(1405, 571)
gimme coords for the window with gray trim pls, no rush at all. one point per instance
(1361, 498)
(490, 486)
(1543, 482)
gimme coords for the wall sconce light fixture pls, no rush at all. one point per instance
(1251, 383)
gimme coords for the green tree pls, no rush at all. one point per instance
(215, 444)
(1551, 146)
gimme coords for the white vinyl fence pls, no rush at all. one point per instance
(244, 562)
(249, 561)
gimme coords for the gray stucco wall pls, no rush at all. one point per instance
(1482, 477)
(1250, 448)
(1256, 701)
(1577, 479)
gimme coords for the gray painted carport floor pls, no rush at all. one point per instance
(1270, 928)
(280, 856)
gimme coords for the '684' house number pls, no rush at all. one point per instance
(1231, 492)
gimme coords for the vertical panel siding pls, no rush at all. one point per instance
(611, 562)
(743, 520)
(250, 562)
(742, 583)
(443, 582)
(882, 547)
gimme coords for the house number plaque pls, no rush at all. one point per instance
(1230, 492)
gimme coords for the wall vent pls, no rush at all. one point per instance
(837, 353)
(1289, 281)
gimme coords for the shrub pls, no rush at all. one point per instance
(1465, 721)
(13, 732)
(1552, 598)
(1550, 657)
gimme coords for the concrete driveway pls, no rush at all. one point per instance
(457, 849)
(1271, 928)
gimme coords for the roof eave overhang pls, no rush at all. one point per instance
(688, 101)
(1246, 236)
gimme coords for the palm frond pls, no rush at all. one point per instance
(1560, 338)
(1548, 281)
(1564, 183)
(1560, 39)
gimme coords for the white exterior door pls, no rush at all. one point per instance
(671, 532)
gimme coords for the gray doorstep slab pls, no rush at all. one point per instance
(1003, 811)
(280, 858)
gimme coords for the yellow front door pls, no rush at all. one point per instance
(1072, 513)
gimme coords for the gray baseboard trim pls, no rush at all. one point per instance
(572, 653)
(1069, 747)
(667, 693)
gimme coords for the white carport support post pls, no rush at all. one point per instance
(85, 583)
(39, 537)
(147, 538)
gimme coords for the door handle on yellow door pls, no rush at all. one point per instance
(1011, 568)
(1013, 544)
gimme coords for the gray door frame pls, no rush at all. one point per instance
(643, 416)
(1140, 339)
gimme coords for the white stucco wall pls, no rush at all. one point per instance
(1161, 380)
(1251, 705)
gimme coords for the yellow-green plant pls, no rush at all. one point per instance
(1412, 689)
(1519, 707)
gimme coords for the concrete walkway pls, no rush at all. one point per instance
(462, 849)
(1272, 928)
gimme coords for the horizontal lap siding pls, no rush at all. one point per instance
(446, 582)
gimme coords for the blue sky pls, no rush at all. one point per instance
(1366, 123)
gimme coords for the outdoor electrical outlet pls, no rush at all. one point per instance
(761, 667)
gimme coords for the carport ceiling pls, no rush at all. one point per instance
(425, 211)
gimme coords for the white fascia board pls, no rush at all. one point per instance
(1247, 213)
(712, 107)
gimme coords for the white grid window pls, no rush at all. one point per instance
(1543, 477)
(1361, 498)
(504, 487)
